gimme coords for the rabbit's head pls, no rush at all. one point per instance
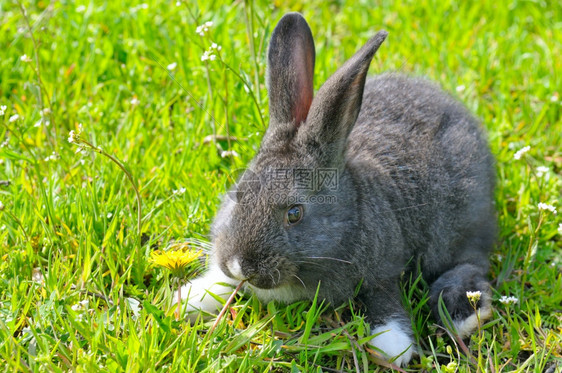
(292, 216)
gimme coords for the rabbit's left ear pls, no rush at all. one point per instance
(336, 105)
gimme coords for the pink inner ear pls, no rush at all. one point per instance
(305, 74)
(301, 111)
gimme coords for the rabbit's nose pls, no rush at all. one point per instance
(235, 269)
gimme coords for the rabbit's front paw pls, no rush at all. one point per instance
(201, 293)
(394, 341)
(453, 287)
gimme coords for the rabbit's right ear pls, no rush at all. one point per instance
(290, 71)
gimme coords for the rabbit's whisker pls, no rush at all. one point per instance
(329, 258)
(301, 281)
(278, 276)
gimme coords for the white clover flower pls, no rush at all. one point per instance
(473, 296)
(135, 101)
(545, 206)
(25, 58)
(508, 300)
(172, 66)
(521, 151)
(460, 88)
(3, 110)
(13, 118)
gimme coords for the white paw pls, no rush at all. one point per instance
(393, 340)
(198, 292)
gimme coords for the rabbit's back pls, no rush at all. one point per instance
(428, 156)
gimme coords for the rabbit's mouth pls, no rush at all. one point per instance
(271, 273)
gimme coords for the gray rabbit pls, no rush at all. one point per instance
(351, 188)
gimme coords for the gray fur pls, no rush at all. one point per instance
(415, 185)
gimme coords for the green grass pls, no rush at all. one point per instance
(68, 228)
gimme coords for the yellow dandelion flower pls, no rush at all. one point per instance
(174, 260)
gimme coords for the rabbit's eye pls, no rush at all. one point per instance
(294, 214)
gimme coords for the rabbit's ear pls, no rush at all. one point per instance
(337, 103)
(290, 70)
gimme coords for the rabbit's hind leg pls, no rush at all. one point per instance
(456, 287)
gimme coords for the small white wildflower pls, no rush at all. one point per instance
(72, 137)
(546, 206)
(460, 88)
(179, 191)
(45, 112)
(3, 110)
(135, 101)
(38, 123)
(215, 46)
(521, 151)
(508, 300)
(25, 58)
(229, 153)
(207, 55)
(172, 66)
(212, 57)
(201, 30)
(80, 306)
(53, 157)
(542, 170)
(473, 296)
(109, 215)
(13, 118)
(554, 97)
